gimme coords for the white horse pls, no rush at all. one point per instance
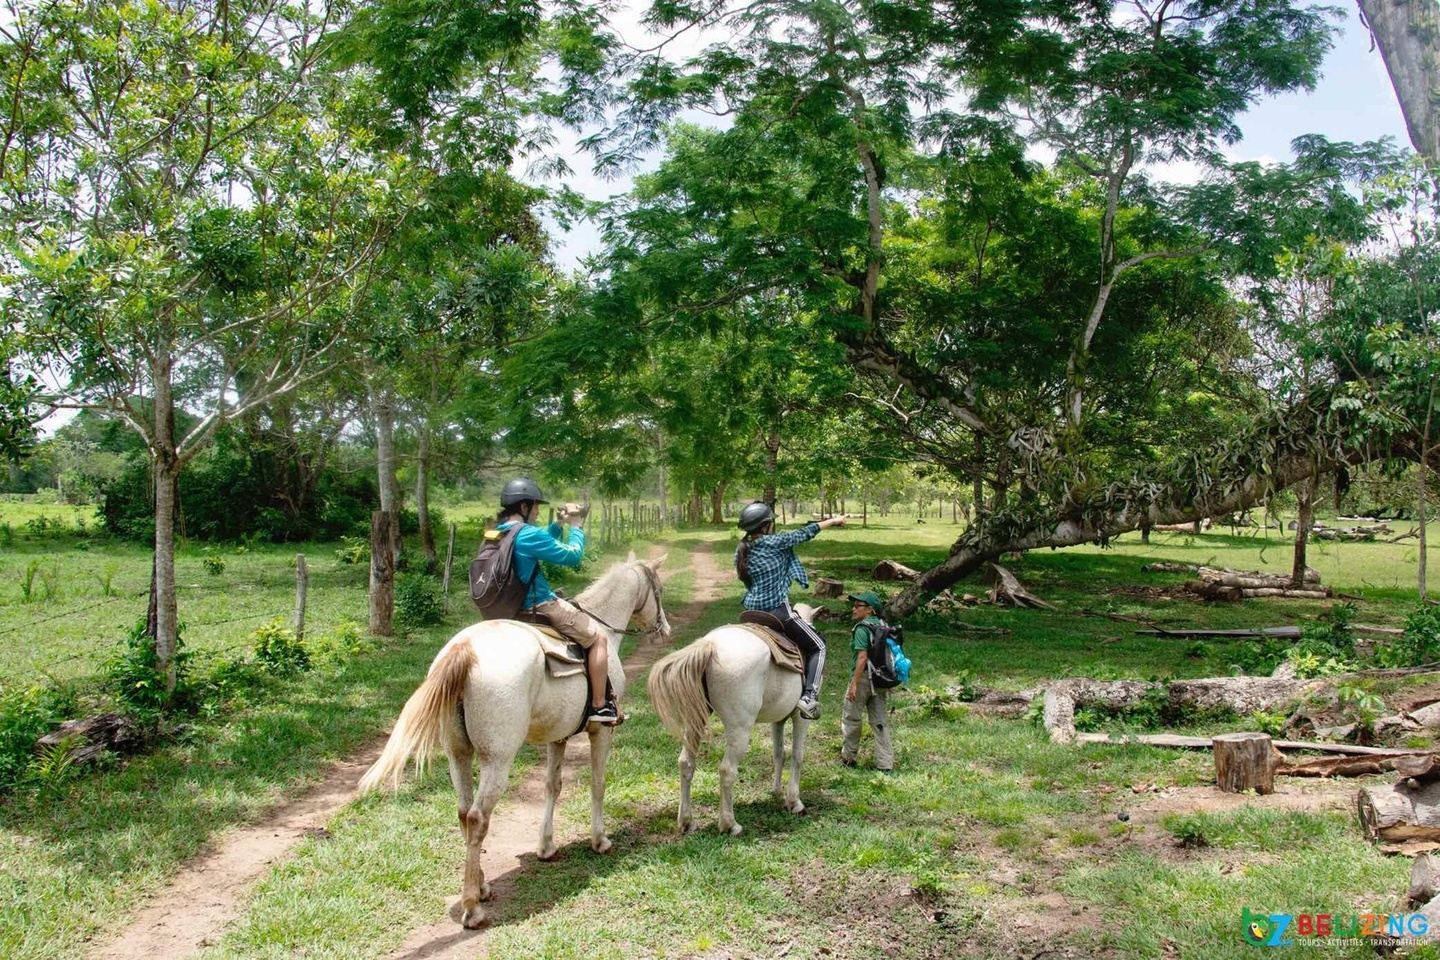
(730, 671)
(488, 691)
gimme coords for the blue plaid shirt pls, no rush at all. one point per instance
(773, 566)
(532, 544)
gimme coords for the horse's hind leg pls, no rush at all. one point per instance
(461, 756)
(600, 741)
(554, 760)
(737, 742)
(689, 747)
(777, 736)
(797, 757)
(494, 774)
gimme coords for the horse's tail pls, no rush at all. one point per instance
(418, 731)
(677, 689)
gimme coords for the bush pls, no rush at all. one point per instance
(417, 600)
(353, 550)
(1420, 643)
(215, 566)
(278, 651)
(347, 639)
(27, 713)
(138, 683)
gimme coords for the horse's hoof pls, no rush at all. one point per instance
(485, 892)
(797, 807)
(547, 853)
(736, 830)
(473, 919)
(688, 826)
(603, 846)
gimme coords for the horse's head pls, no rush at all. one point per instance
(648, 606)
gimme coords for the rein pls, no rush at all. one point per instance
(654, 580)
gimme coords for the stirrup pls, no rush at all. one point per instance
(606, 714)
(809, 707)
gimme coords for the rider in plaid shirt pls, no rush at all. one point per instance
(767, 564)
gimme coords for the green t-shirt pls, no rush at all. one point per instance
(860, 637)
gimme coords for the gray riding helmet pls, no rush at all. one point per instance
(755, 515)
(521, 489)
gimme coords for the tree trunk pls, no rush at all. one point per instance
(1408, 35)
(165, 463)
(1305, 494)
(422, 497)
(382, 575)
(302, 589)
(384, 410)
(772, 463)
(717, 504)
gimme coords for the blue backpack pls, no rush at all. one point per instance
(889, 667)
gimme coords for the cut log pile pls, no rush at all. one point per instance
(1225, 584)
(1363, 533)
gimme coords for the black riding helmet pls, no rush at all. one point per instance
(520, 490)
(755, 515)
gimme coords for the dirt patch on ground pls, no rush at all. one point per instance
(192, 911)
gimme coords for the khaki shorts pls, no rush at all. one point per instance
(571, 622)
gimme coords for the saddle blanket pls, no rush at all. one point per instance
(783, 651)
(563, 658)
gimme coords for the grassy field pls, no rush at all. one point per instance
(989, 841)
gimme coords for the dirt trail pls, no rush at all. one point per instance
(516, 826)
(194, 909)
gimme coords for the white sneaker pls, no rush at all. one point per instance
(809, 708)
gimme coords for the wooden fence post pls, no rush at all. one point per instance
(302, 586)
(382, 575)
(449, 562)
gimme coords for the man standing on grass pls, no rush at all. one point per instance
(862, 698)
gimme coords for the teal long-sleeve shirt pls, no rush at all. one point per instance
(534, 544)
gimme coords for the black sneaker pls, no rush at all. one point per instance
(606, 714)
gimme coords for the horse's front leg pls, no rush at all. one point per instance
(737, 742)
(600, 739)
(554, 761)
(494, 774)
(797, 757)
(777, 736)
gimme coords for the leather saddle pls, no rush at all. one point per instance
(784, 651)
(563, 656)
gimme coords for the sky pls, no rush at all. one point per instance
(1353, 101)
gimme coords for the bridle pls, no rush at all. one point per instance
(655, 585)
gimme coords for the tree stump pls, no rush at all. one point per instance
(828, 587)
(893, 570)
(1424, 879)
(1245, 761)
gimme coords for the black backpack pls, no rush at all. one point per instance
(888, 665)
(495, 583)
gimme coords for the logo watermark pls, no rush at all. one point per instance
(1331, 929)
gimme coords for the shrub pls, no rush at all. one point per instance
(1420, 643)
(353, 550)
(138, 682)
(417, 600)
(347, 639)
(278, 651)
(27, 713)
(214, 566)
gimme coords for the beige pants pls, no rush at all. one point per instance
(570, 621)
(873, 702)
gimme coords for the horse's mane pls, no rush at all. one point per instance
(604, 584)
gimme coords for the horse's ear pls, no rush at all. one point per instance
(631, 558)
(655, 564)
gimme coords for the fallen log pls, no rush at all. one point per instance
(1424, 879)
(1206, 743)
(828, 587)
(1245, 761)
(1359, 766)
(1399, 812)
(1006, 588)
(93, 736)
(893, 570)
(1256, 593)
(1167, 567)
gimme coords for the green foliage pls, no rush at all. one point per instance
(1326, 648)
(26, 714)
(948, 703)
(1419, 644)
(353, 550)
(1153, 711)
(1360, 705)
(1271, 723)
(215, 566)
(54, 766)
(137, 682)
(1188, 831)
(278, 651)
(347, 639)
(417, 600)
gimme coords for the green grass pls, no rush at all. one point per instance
(946, 858)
